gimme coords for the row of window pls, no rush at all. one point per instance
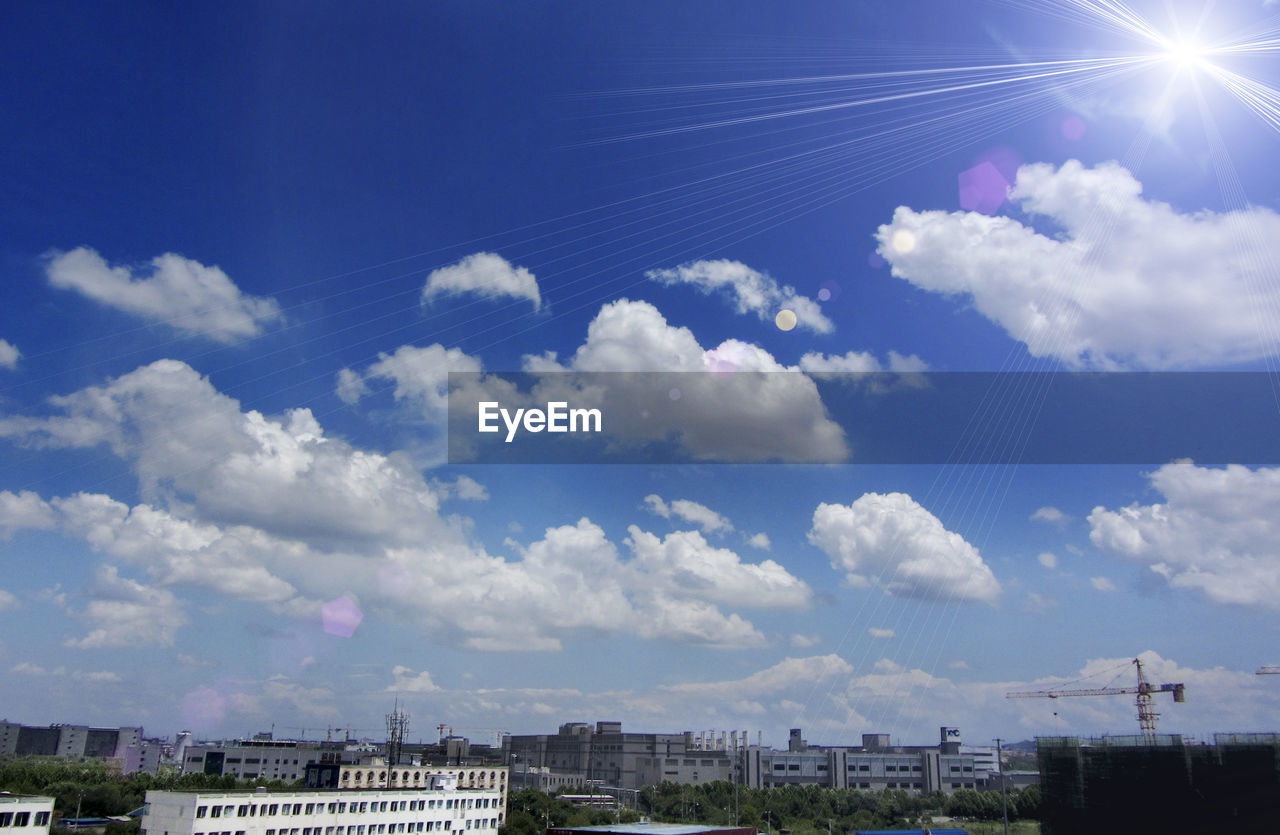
(404, 777)
(8, 819)
(250, 810)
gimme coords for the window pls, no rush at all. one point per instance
(201, 811)
(311, 808)
(215, 812)
(21, 818)
(6, 818)
(243, 811)
(42, 819)
(273, 809)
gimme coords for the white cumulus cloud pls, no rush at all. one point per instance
(750, 290)
(126, 613)
(1129, 282)
(706, 519)
(8, 355)
(727, 415)
(484, 274)
(860, 362)
(182, 293)
(419, 375)
(892, 541)
(1217, 531)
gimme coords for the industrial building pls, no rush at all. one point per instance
(1152, 783)
(258, 759)
(580, 753)
(131, 752)
(441, 807)
(604, 755)
(22, 814)
(875, 765)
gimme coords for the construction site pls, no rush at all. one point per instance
(1151, 781)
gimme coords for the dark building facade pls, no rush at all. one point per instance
(1162, 783)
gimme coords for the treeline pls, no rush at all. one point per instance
(803, 810)
(96, 791)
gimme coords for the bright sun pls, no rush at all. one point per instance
(1185, 52)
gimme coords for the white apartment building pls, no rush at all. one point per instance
(25, 814)
(441, 809)
(378, 775)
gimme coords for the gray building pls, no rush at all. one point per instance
(606, 755)
(125, 745)
(873, 766)
(264, 759)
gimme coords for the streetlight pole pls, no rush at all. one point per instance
(1004, 797)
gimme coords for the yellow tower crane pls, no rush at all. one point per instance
(1143, 690)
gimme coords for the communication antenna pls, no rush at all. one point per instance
(397, 726)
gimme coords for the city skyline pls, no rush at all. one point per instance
(244, 246)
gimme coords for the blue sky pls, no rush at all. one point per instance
(243, 245)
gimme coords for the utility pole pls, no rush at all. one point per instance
(1004, 797)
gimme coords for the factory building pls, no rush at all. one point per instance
(126, 746)
(258, 759)
(873, 766)
(606, 756)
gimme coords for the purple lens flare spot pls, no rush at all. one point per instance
(1073, 128)
(983, 189)
(341, 616)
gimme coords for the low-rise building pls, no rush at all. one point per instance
(257, 759)
(440, 808)
(873, 766)
(22, 814)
